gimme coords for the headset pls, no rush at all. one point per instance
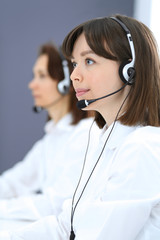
(126, 69)
(64, 85)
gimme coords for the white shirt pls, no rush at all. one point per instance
(53, 165)
(122, 199)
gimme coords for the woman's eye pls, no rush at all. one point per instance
(89, 61)
(42, 76)
(74, 64)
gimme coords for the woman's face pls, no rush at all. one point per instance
(94, 76)
(43, 87)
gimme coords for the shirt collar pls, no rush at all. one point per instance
(118, 134)
(64, 123)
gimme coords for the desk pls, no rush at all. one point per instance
(10, 225)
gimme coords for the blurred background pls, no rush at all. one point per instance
(24, 26)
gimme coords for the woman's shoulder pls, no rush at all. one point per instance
(140, 149)
(142, 143)
(145, 134)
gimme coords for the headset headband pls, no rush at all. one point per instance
(128, 71)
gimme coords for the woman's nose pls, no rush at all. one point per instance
(32, 84)
(76, 74)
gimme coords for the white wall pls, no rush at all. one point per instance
(148, 11)
(142, 10)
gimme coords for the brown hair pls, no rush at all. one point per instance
(55, 70)
(108, 39)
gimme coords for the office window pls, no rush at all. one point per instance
(148, 11)
(155, 19)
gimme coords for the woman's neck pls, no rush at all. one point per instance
(114, 109)
(113, 112)
(60, 109)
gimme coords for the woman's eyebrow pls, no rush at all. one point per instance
(86, 52)
(83, 53)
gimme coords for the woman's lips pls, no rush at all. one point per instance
(80, 92)
(36, 96)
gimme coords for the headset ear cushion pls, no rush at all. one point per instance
(121, 67)
(61, 88)
(127, 75)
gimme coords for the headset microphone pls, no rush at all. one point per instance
(37, 109)
(84, 103)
